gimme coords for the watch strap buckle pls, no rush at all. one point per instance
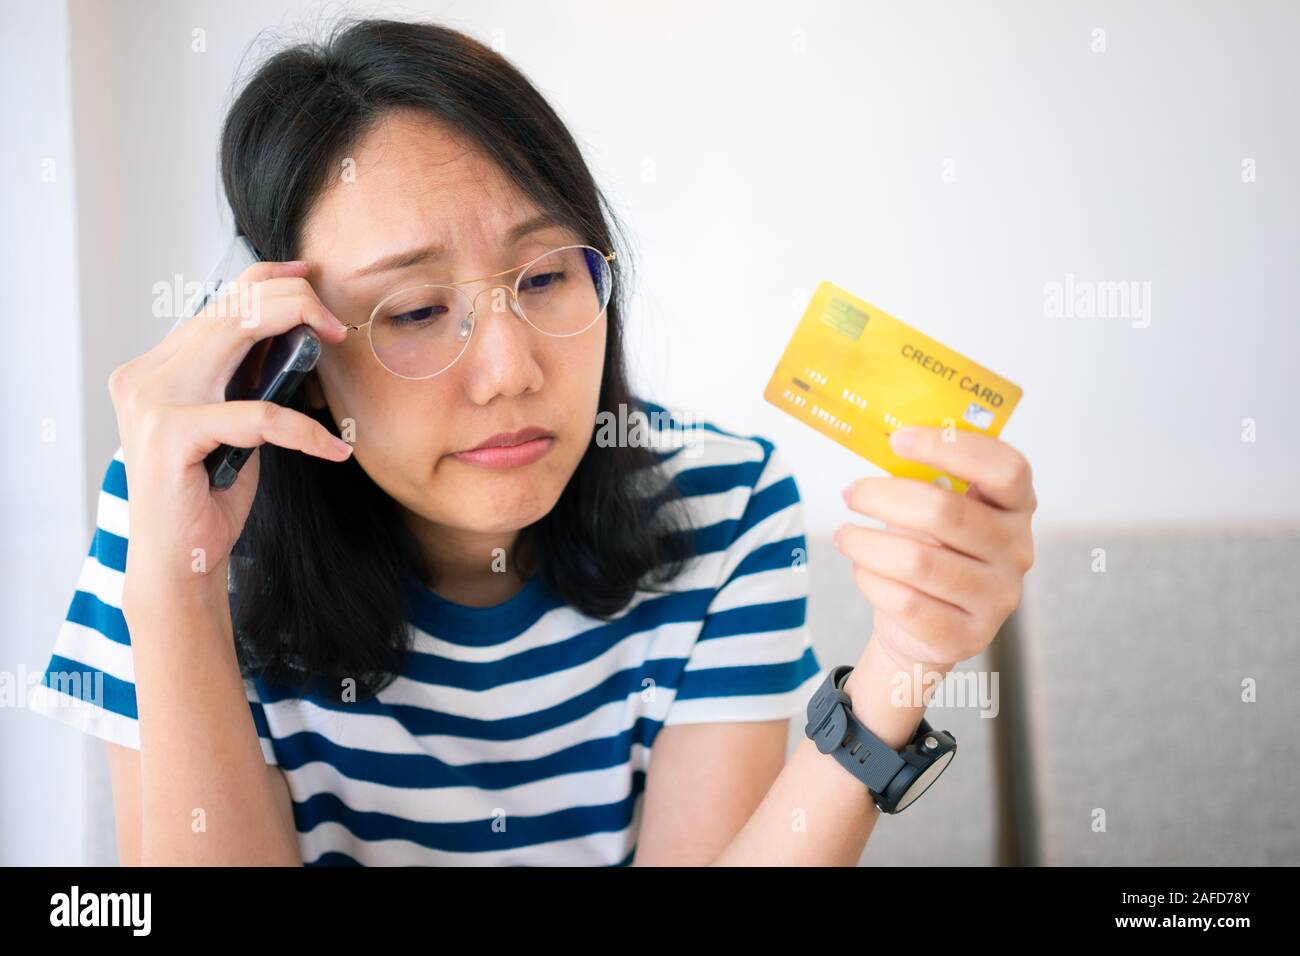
(828, 714)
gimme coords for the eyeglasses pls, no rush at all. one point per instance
(420, 331)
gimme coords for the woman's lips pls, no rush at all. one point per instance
(506, 456)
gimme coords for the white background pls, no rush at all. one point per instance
(753, 149)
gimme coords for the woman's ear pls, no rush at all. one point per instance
(315, 397)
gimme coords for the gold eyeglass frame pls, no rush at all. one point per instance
(515, 307)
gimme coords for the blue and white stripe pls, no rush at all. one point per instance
(519, 734)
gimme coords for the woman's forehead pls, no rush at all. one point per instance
(413, 187)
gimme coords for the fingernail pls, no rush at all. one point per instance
(343, 446)
(839, 533)
(903, 440)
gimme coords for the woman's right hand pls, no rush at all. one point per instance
(171, 412)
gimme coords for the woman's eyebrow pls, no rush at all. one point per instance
(436, 251)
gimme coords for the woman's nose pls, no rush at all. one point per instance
(501, 358)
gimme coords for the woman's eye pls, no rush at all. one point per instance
(416, 316)
(545, 280)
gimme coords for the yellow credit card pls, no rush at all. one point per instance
(858, 374)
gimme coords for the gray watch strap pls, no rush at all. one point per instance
(835, 730)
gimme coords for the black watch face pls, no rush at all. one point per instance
(922, 783)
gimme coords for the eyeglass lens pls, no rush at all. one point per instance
(418, 332)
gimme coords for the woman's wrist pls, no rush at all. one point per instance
(889, 695)
(148, 590)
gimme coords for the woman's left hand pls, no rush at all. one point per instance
(947, 570)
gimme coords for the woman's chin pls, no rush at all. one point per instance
(498, 514)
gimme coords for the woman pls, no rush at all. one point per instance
(461, 635)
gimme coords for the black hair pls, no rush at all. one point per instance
(322, 567)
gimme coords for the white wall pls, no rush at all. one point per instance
(754, 149)
(783, 167)
(42, 486)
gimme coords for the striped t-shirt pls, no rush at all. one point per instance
(517, 734)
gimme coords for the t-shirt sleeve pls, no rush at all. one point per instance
(754, 659)
(89, 682)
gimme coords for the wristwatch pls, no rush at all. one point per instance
(894, 778)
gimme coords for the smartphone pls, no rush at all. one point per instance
(272, 371)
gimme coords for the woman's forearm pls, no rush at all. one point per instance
(816, 813)
(205, 795)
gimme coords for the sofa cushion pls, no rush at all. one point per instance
(1134, 680)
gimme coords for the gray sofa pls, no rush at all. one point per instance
(1120, 705)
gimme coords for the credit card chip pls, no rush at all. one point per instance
(846, 317)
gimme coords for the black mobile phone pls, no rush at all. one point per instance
(272, 371)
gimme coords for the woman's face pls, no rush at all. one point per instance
(418, 184)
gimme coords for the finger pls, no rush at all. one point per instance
(912, 533)
(201, 428)
(246, 307)
(239, 288)
(933, 569)
(203, 366)
(259, 273)
(245, 310)
(930, 620)
(972, 527)
(1001, 471)
(975, 494)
